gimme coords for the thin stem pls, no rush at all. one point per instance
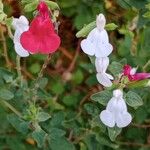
(5, 49)
(19, 69)
(12, 108)
(40, 75)
(10, 33)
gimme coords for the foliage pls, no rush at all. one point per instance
(65, 115)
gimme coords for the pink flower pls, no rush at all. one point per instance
(41, 36)
(132, 75)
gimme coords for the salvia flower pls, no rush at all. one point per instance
(132, 75)
(20, 25)
(41, 36)
(97, 42)
(116, 111)
(101, 65)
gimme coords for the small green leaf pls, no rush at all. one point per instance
(105, 141)
(111, 26)
(43, 82)
(39, 136)
(6, 94)
(102, 97)
(58, 88)
(56, 133)
(8, 21)
(30, 6)
(114, 132)
(78, 77)
(52, 5)
(85, 30)
(115, 68)
(6, 75)
(35, 68)
(147, 14)
(43, 116)
(88, 28)
(61, 144)
(2, 17)
(133, 99)
(91, 109)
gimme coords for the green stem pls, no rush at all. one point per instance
(12, 108)
(19, 69)
(40, 75)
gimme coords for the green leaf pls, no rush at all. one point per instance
(111, 26)
(6, 94)
(56, 133)
(52, 5)
(102, 97)
(61, 144)
(78, 77)
(30, 6)
(39, 136)
(114, 132)
(115, 68)
(71, 100)
(35, 68)
(91, 109)
(8, 21)
(2, 17)
(43, 116)
(105, 141)
(43, 82)
(147, 14)
(86, 30)
(18, 124)
(133, 99)
(6, 75)
(57, 119)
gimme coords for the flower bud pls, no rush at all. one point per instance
(100, 22)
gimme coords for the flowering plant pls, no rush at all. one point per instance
(52, 96)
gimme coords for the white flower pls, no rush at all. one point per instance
(97, 42)
(101, 65)
(116, 111)
(20, 25)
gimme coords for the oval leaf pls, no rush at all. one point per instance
(102, 97)
(133, 99)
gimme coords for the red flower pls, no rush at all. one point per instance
(41, 36)
(132, 75)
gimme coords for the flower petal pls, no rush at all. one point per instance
(109, 76)
(101, 64)
(41, 36)
(123, 119)
(20, 23)
(103, 79)
(20, 50)
(103, 50)
(107, 118)
(111, 106)
(87, 47)
(100, 22)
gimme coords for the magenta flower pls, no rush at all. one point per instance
(41, 36)
(132, 75)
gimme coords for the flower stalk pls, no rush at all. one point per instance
(18, 58)
(13, 109)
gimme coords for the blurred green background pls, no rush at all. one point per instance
(70, 80)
